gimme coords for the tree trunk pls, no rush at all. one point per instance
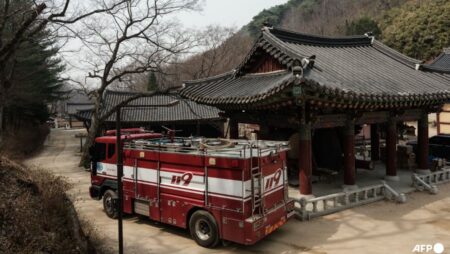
(92, 133)
(90, 140)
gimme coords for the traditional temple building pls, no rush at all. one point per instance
(326, 87)
(188, 117)
(441, 66)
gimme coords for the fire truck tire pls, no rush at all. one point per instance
(110, 204)
(204, 229)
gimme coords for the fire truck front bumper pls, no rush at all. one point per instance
(258, 228)
(95, 192)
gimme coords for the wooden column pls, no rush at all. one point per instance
(349, 154)
(233, 127)
(391, 149)
(422, 142)
(374, 142)
(438, 121)
(305, 159)
(197, 129)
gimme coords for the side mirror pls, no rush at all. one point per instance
(92, 152)
(93, 160)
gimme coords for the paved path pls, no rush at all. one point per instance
(381, 227)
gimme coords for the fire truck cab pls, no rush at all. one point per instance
(233, 190)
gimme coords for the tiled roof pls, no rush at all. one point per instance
(83, 115)
(246, 89)
(441, 63)
(75, 96)
(357, 68)
(185, 110)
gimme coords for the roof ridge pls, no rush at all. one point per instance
(115, 92)
(212, 78)
(430, 67)
(110, 91)
(396, 55)
(270, 73)
(278, 43)
(289, 35)
(438, 58)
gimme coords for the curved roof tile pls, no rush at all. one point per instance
(357, 65)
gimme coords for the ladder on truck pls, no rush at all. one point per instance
(256, 179)
(140, 203)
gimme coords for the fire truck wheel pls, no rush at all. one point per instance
(204, 229)
(109, 204)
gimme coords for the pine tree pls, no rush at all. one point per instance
(362, 26)
(152, 84)
(36, 80)
(418, 29)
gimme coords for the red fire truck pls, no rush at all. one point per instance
(233, 190)
(126, 131)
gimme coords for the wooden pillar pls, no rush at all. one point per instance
(374, 142)
(197, 129)
(422, 141)
(233, 127)
(438, 122)
(391, 149)
(305, 159)
(349, 154)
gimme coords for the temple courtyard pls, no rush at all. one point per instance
(380, 227)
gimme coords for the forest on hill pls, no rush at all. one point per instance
(417, 28)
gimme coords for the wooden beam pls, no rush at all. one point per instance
(329, 121)
(269, 119)
(338, 120)
(410, 115)
(373, 117)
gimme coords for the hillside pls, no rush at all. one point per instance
(322, 17)
(35, 214)
(417, 28)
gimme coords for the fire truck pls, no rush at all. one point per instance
(233, 190)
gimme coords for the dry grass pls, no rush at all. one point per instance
(22, 143)
(35, 213)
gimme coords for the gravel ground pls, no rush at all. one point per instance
(382, 227)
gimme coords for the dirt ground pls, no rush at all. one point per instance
(382, 227)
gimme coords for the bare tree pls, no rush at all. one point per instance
(215, 50)
(130, 38)
(218, 50)
(22, 20)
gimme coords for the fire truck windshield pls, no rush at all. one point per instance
(97, 153)
(111, 150)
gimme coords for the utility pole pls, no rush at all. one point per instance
(120, 165)
(119, 177)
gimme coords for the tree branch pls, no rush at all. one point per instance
(9, 48)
